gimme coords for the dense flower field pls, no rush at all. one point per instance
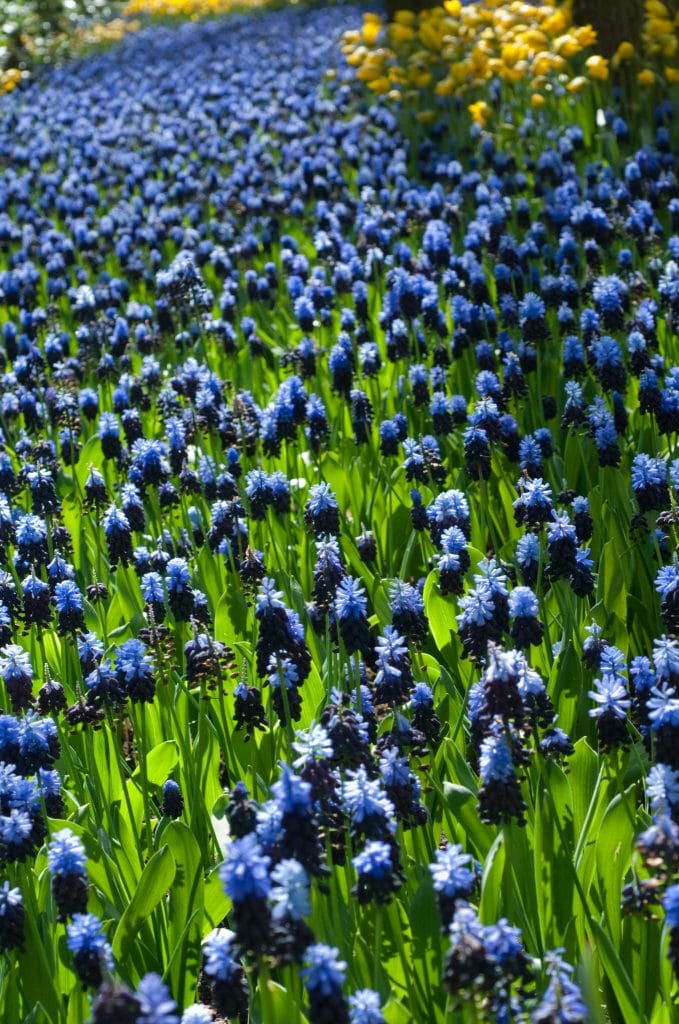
(338, 524)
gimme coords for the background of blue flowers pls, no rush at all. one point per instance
(339, 591)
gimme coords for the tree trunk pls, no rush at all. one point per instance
(616, 21)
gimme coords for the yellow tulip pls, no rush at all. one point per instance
(480, 112)
(431, 37)
(586, 35)
(9, 79)
(453, 7)
(369, 71)
(577, 84)
(567, 46)
(405, 17)
(357, 57)
(372, 27)
(672, 75)
(400, 33)
(656, 9)
(555, 23)
(511, 53)
(646, 77)
(537, 100)
(380, 85)
(597, 67)
(624, 53)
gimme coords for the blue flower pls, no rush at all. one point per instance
(66, 854)
(454, 873)
(313, 745)
(523, 603)
(666, 659)
(610, 696)
(421, 696)
(495, 762)
(85, 935)
(292, 793)
(245, 871)
(156, 1004)
(178, 576)
(364, 798)
(663, 708)
(365, 1007)
(290, 892)
(374, 861)
(218, 955)
(9, 899)
(671, 906)
(15, 665)
(662, 789)
(324, 972)
(152, 589)
(67, 598)
(350, 600)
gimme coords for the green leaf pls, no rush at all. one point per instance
(611, 591)
(613, 857)
(491, 881)
(440, 614)
(159, 763)
(216, 902)
(155, 881)
(618, 977)
(185, 910)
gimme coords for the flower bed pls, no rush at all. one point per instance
(338, 511)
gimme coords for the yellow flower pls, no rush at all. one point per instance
(567, 46)
(372, 26)
(405, 18)
(597, 67)
(585, 35)
(421, 78)
(400, 33)
(480, 112)
(545, 62)
(511, 53)
(425, 116)
(453, 7)
(624, 53)
(431, 37)
(646, 77)
(577, 84)
(446, 87)
(537, 100)
(357, 57)
(9, 79)
(555, 23)
(380, 85)
(656, 9)
(672, 75)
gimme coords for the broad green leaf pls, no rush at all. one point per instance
(160, 763)
(155, 881)
(185, 910)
